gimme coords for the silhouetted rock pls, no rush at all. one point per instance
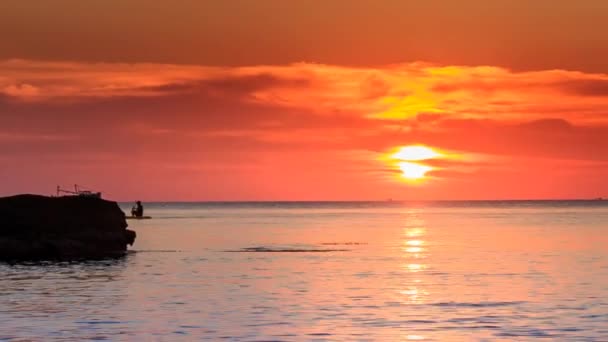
(40, 227)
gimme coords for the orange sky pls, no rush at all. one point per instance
(304, 100)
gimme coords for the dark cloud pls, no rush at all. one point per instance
(581, 87)
(4, 100)
(229, 85)
(551, 124)
(209, 116)
(550, 138)
(547, 138)
(598, 87)
(250, 83)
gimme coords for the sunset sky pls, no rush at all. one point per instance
(305, 100)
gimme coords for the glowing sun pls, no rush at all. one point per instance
(409, 158)
(413, 171)
(416, 152)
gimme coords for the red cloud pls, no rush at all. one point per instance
(274, 123)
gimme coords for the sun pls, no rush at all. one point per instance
(413, 171)
(416, 153)
(411, 161)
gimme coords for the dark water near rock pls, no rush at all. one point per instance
(329, 271)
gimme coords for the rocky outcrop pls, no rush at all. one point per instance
(40, 227)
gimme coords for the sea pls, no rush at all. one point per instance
(329, 271)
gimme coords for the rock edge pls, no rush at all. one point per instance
(41, 227)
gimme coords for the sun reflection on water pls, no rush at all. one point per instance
(415, 267)
(414, 232)
(413, 242)
(414, 248)
(414, 295)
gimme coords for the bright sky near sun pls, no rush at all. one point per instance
(305, 100)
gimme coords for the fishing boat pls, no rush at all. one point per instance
(78, 191)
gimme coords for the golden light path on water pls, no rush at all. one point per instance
(413, 248)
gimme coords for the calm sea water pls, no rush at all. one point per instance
(329, 271)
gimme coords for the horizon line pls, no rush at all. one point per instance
(371, 201)
(387, 200)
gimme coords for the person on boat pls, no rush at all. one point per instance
(137, 210)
